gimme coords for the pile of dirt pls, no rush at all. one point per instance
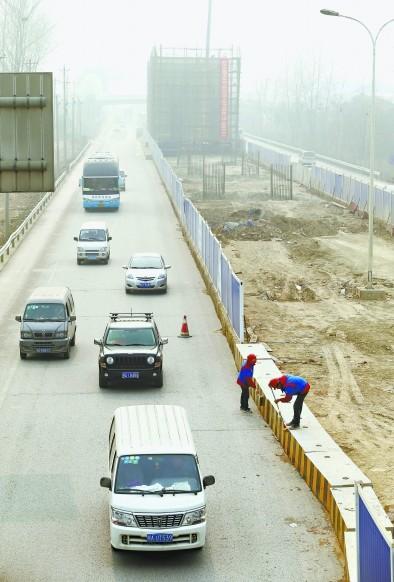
(302, 263)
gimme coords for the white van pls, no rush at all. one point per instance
(93, 242)
(157, 497)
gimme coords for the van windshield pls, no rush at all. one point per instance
(44, 312)
(92, 234)
(157, 473)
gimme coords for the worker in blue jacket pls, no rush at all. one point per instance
(291, 386)
(245, 381)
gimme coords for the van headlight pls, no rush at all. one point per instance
(193, 517)
(26, 335)
(110, 360)
(60, 334)
(80, 249)
(104, 250)
(119, 517)
(150, 360)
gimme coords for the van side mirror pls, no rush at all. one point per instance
(76, 238)
(97, 341)
(164, 340)
(73, 318)
(110, 238)
(167, 267)
(106, 482)
(124, 267)
(208, 480)
(18, 318)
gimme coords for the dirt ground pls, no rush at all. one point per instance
(301, 262)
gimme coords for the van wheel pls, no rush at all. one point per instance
(66, 354)
(79, 262)
(115, 549)
(103, 382)
(72, 341)
(22, 355)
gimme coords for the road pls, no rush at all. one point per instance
(263, 522)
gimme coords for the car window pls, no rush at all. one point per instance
(44, 312)
(146, 262)
(153, 472)
(93, 234)
(130, 337)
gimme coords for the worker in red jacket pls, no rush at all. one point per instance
(245, 381)
(291, 386)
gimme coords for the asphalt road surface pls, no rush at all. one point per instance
(263, 522)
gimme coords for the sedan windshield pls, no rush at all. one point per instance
(146, 262)
(130, 337)
(44, 311)
(161, 473)
(92, 234)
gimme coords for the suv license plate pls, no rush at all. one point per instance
(43, 350)
(159, 538)
(127, 375)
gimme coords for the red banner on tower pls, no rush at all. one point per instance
(224, 68)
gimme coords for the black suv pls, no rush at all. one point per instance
(131, 350)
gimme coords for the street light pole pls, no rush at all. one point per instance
(371, 192)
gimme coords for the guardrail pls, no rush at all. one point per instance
(227, 287)
(24, 227)
(319, 157)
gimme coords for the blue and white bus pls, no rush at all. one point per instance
(100, 182)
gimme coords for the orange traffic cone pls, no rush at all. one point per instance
(184, 328)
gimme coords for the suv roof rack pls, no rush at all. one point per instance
(118, 316)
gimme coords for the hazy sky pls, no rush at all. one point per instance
(274, 37)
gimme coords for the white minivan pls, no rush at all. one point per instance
(157, 494)
(93, 242)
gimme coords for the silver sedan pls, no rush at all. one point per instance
(146, 272)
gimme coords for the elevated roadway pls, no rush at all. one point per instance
(263, 522)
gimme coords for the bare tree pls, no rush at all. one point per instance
(25, 35)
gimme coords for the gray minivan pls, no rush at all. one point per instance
(48, 324)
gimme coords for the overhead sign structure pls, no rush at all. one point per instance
(26, 132)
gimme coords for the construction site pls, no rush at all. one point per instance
(302, 261)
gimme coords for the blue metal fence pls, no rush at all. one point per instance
(342, 187)
(374, 548)
(229, 288)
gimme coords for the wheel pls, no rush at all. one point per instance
(72, 341)
(127, 291)
(115, 549)
(79, 262)
(106, 261)
(103, 382)
(66, 354)
(22, 355)
(158, 382)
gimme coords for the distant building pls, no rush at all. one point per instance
(193, 100)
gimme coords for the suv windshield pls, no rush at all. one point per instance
(176, 473)
(146, 263)
(143, 336)
(92, 234)
(44, 311)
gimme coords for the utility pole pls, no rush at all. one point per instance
(64, 117)
(73, 127)
(208, 39)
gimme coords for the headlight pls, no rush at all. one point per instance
(80, 249)
(60, 334)
(120, 517)
(26, 335)
(162, 276)
(193, 517)
(104, 249)
(150, 360)
(129, 276)
(110, 360)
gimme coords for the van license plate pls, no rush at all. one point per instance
(43, 350)
(127, 375)
(159, 538)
